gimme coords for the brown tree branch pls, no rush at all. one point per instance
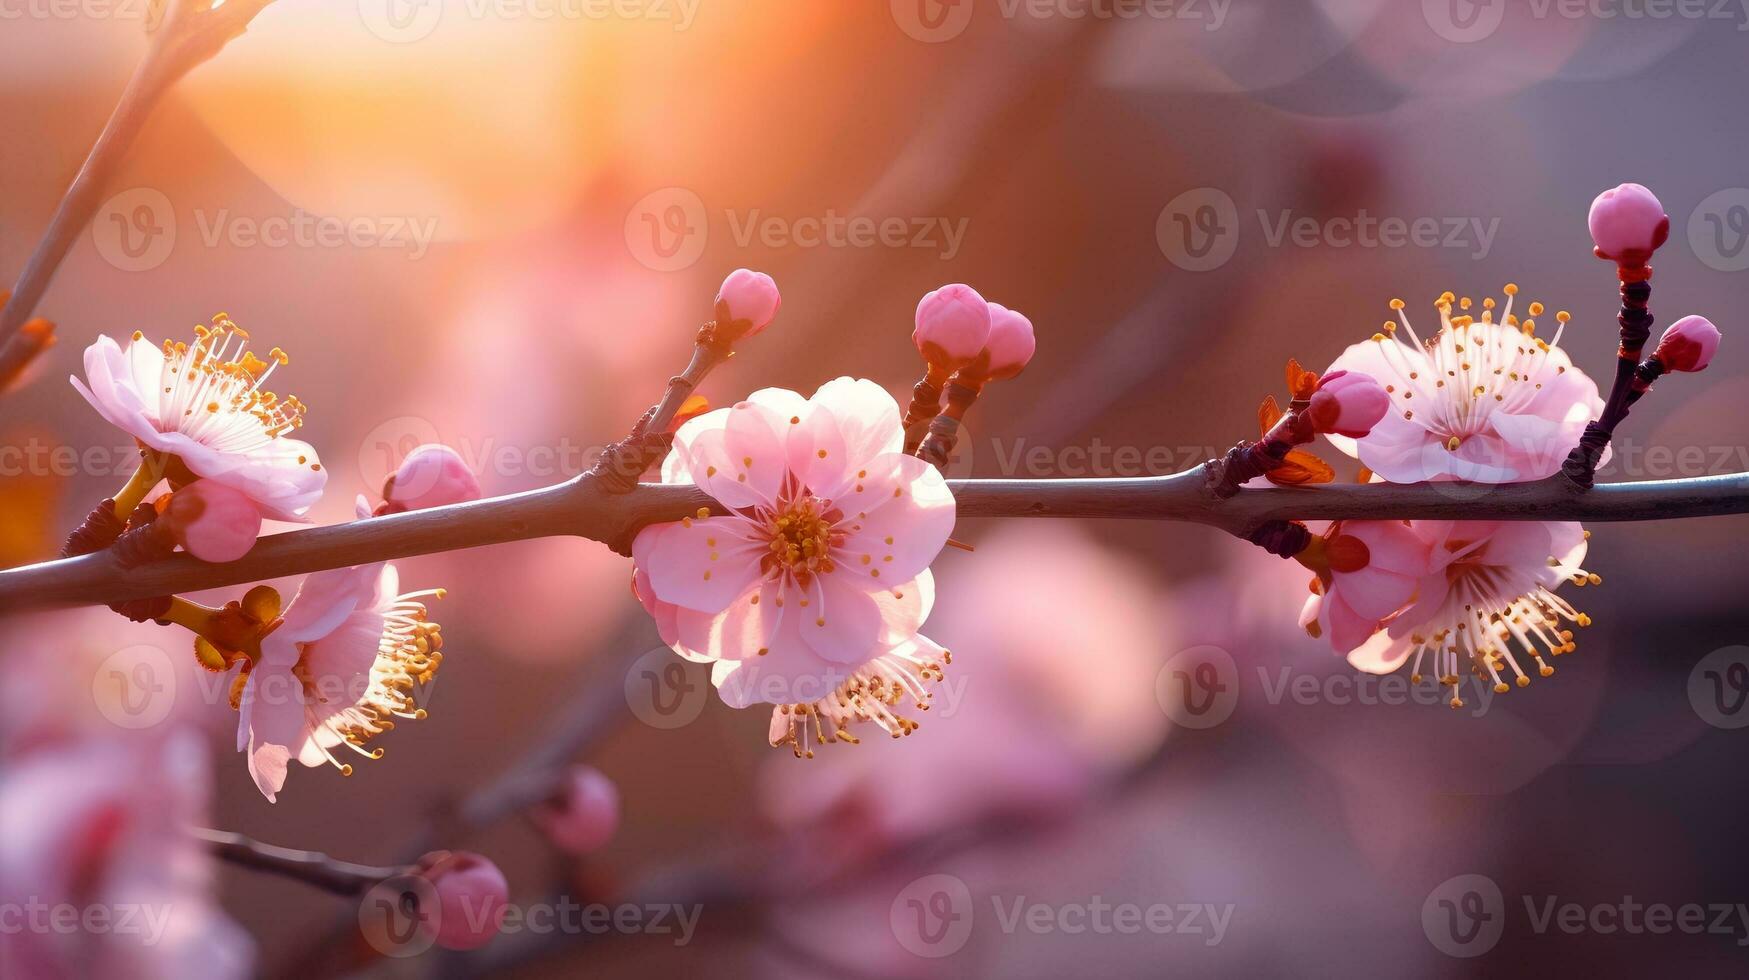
(191, 32)
(582, 507)
(310, 867)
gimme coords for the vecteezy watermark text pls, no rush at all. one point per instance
(1199, 230)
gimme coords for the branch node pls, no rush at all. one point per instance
(1284, 539)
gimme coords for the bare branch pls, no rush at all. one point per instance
(191, 33)
(582, 507)
(310, 867)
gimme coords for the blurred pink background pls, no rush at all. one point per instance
(529, 217)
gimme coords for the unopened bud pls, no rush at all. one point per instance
(1348, 403)
(1688, 345)
(750, 296)
(1628, 224)
(432, 475)
(953, 324)
(212, 521)
(583, 815)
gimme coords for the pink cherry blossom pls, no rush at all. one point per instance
(100, 825)
(1367, 571)
(1348, 403)
(953, 324)
(810, 592)
(432, 475)
(1010, 346)
(1483, 400)
(1488, 592)
(472, 897)
(1628, 224)
(350, 655)
(1688, 344)
(203, 402)
(751, 296)
(212, 521)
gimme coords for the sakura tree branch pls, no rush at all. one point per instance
(192, 32)
(584, 507)
(310, 867)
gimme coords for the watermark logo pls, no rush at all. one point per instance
(932, 21)
(1198, 687)
(1464, 21)
(382, 449)
(1198, 230)
(401, 21)
(135, 230)
(1464, 916)
(941, 235)
(666, 691)
(932, 916)
(400, 916)
(146, 923)
(1718, 688)
(667, 229)
(135, 687)
(1718, 230)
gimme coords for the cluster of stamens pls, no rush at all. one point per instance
(408, 656)
(1490, 628)
(1486, 365)
(802, 536)
(211, 386)
(872, 694)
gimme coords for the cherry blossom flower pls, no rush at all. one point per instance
(1488, 593)
(1483, 400)
(346, 659)
(1367, 572)
(100, 825)
(203, 404)
(810, 592)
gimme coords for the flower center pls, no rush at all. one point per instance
(212, 383)
(802, 537)
(1471, 368)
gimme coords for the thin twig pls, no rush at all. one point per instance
(310, 867)
(192, 32)
(581, 507)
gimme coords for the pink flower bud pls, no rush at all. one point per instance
(1628, 224)
(472, 897)
(432, 475)
(1689, 344)
(750, 296)
(953, 323)
(583, 815)
(1010, 346)
(1348, 403)
(212, 521)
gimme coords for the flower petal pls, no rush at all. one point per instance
(898, 521)
(843, 623)
(703, 564)
(1382, 653)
